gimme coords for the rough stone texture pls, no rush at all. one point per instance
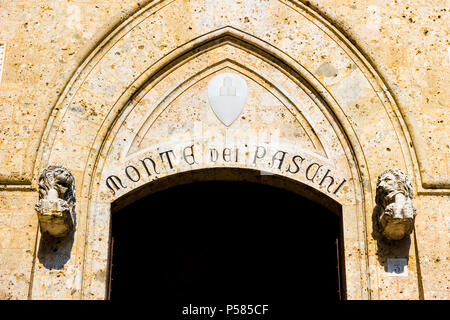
(407, 42)
(432, 241)
(18, 229)
(80, 88)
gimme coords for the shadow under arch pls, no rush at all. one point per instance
(126, 205)
(228, 174)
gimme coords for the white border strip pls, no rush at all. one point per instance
(2, 57)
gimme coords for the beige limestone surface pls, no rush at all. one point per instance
(355, 87)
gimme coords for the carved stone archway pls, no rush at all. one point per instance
(137, 111)
(175, 217)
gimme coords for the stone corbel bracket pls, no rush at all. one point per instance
(394, 207)
(56, 205)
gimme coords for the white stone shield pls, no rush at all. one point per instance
(227, 94)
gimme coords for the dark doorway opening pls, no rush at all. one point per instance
(227, 243)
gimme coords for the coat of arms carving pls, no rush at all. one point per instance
(227, 94)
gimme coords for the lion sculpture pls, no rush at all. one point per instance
(56, 205)
(394, 208)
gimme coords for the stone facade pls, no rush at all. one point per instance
(117, 93)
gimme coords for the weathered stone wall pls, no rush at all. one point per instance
(432, 230)
(47, 43)
(18, 229)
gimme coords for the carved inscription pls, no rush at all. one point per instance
(280, 160)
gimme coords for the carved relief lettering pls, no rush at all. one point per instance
(188, 155)
(281, 160)
(167, 154)
(114, 180)
(146, 168)
(259, 154)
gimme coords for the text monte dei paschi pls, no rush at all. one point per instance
(150, 167)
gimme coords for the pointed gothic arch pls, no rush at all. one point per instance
(108, 99)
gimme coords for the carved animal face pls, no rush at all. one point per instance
(62, 180)
(392, 180)
(57, 178)
(396, 216)
(387, 184)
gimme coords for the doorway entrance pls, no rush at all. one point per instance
(225, 242)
